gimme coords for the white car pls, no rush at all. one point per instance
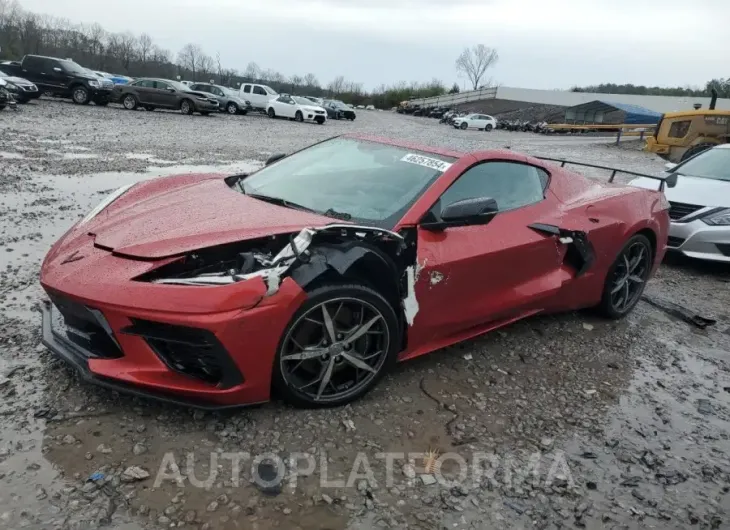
(699, 205)
(297, 108)
(258, 95)
(476, 121)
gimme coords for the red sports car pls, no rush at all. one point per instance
(313, 275)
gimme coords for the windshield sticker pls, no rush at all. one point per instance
(433, 163)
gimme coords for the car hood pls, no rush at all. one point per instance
(195, 215)
(201, 94)
(692, 190)
(17, 80)
(310, 107)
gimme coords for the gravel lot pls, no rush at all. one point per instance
(571, 421)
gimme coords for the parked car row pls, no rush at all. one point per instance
(35, 75)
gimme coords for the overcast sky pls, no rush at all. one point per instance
(541, 43)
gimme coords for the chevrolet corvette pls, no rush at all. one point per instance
(309, 278)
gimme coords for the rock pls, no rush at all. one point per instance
(190, 516)
(134, 474)
(170, 510)
(143, 509)
(427, 480)
(68, 439)
(704, 406)
(103, 448)
(349, 425)
(163, 520)
(587, 326)
(213, 506)
(286, 511)
(546, 443)
(326, 498)
(139, 449)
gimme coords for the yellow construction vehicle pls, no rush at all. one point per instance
(681, 135)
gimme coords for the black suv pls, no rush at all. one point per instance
(62, 78)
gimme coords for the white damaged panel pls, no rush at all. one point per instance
(410, 304)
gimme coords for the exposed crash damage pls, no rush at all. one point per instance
(313, 275)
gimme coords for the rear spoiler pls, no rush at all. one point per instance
(670, 180)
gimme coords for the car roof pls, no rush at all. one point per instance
(722, 146)
(407, 145)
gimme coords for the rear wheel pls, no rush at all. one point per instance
(271, 112)
(299, 116)
(129, 102)
(696, 149)
(337, 346)
(187, 107)
(627, 278)
(463, 126)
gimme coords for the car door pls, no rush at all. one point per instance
(143, 90)
(259, 97)
(471, 276)
(479, 121)
(165, 95)
(285, 107)
(36, 70)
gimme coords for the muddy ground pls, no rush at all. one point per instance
(558, 422)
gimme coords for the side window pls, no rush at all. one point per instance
(197, 87)
(162, 86)
(34, 63)
(679, 129)
(144, 83)
(247, 89)
(258, 90)
(511, 184)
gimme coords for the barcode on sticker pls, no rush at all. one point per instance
(425, 161)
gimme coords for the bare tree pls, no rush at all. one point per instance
(337, 85)
(474, 61)
(218, 65)
(145, 47)
(189, 58)
(311, 81)
(206, 66)
(252, 71)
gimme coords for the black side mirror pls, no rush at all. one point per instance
(477, 211)
(275, 158)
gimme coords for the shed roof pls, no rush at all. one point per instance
(634, 113)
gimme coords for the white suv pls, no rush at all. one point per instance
(258, 95)
(476, 121)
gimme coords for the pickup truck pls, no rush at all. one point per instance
(62, 78)
(258, 95)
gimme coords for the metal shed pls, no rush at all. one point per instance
(609, 113)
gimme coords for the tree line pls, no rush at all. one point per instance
(721, 85)
(137, 55)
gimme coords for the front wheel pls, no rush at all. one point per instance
(627, 278)
(80, 95)
(187, 107)
(336, 347)
(271, 112)
(463, 126)
(232, 108)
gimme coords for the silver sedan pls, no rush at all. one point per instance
(699, 205)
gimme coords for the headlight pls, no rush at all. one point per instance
(94, 83)
(113, 196)
(719, 218)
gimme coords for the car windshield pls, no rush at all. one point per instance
(303, 101)
(271, 91)
(229, 91)
(712, 164)
(3, 74)
(73, 68)
(350, 179)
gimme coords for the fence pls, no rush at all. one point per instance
(456, 99)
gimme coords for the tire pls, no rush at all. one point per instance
(271, 112)
(464, 126)
(80, 95)
(489, 127)
(608, 306)
(299, 116)
(696, 149)
(187, 107)
(232, 108)
(130, 102)
(374, 309)
(149, 108)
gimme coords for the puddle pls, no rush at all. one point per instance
(5, 154)
(79, 156)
